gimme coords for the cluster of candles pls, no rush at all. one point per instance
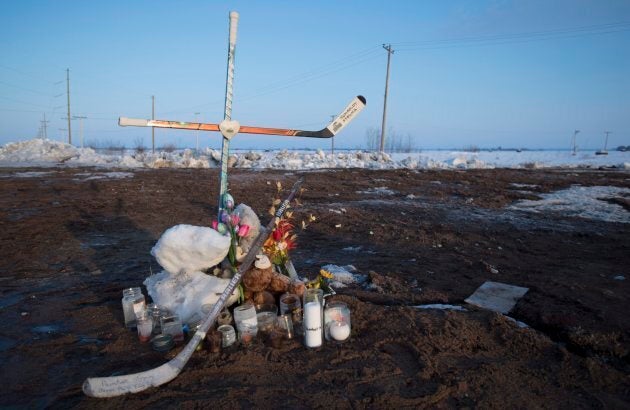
(309, 316)
(331, 322)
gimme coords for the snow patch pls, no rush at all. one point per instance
(441, 307)
(28, 174)
(105, 175)
(380, 190)
(580, 201)
(343, 275)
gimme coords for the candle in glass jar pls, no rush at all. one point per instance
(339, 331)
(144, 324)
(313, 324)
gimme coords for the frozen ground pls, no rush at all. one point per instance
(50, 153)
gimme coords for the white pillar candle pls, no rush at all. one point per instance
(339, 331)
(312, 324)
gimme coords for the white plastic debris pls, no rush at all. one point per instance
(495, 296)
(190, 248)
(343, 275)
(185, 293)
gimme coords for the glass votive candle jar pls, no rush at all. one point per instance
(162, 343)
(245, 314)
(276, 338)
(194, 323)
(291, 304)
(144, 323)
(285, 324)
(214, 341)
(225, 318)
(172, 325)
(228, 335)
(133, 303)
(247, 333)
(156, 313)
(313, 317)
(337, 324)
(266, 315)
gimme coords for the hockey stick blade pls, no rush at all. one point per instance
(133, 383)
(343, 119)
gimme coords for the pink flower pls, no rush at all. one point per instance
(215, 224)
(235, 219)
(243, 230)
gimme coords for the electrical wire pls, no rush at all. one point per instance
(297, 79)
(515, 38)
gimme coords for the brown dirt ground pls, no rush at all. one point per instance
(69, 245)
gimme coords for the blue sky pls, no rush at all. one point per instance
(482, 73)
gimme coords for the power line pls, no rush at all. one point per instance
(516, 38)
(24, 73)
(23, 102)
(25, 89)
(297, 79)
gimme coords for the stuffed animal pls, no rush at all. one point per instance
(259, 277)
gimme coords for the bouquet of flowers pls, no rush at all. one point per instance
(229, 224)
(283, 238)
(322, 281)
(280, 242)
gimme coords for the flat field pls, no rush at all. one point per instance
(72, 238)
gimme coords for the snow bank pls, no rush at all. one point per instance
(40, 152)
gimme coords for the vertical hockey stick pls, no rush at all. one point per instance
(227, 118)
(133, 383)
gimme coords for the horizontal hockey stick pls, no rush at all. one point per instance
(133, 383)
(348, 114)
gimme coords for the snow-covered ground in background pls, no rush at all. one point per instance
(588, 202)
(50, 153)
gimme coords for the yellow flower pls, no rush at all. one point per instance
(324, 273)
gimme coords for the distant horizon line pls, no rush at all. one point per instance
(111, 145)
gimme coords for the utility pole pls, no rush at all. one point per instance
(153, 128)
(574, 142)
(44, 127)
(80, 118)
(69, 118)
(389, 56)
(606, 141)
(197, 135)
(332, 140)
